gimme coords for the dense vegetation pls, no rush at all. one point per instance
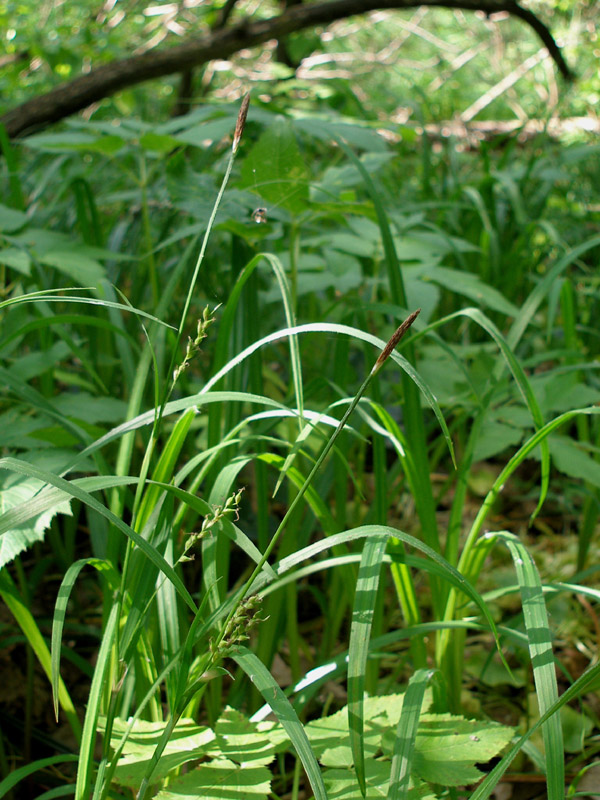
(248, 549)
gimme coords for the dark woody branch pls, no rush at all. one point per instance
(221, 43)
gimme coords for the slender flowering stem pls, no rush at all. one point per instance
(383, 356)
(239, 129)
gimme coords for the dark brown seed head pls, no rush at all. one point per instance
(241, 121)
(400, 331)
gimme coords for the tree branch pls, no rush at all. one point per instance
(110, 78)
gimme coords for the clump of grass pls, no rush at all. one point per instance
(174, 608)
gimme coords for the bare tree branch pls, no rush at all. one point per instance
(225, 13)
(14, 58)
(110, 78)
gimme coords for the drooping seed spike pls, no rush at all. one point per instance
(395, 338)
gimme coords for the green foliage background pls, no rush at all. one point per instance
(121, 483)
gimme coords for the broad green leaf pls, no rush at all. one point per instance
(559, 391)
(354, 245)
(50, 498)
(78, 266)
(411, 248)
(576, 728)
(16, 259)
(245, 742)
(70, 141)
(220, 780)
(365, 228)
(88, 408)
(355, 133)
(442, 241)
(39, 361)
(189, 742)
(448, 747)
(495, 438)
(274, 169)
(212, 131)
(572, 459)
(491, 672)
(11, 220)
(470, 285)
(341, 784)
(14, 541)
(330, 736)
(159, 143)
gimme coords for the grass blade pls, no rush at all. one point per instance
(540, 650)
(24, 772)
(70, 488)
(363, 612)
(25, 620)
(283, 710)
(60, 612)
(485, 788)
(97, 689)
(406, 734)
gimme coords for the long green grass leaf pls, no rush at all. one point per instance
(165, 467)
(324, 327)
(363, 612)
(31, 631)
(540, 650)
(44, 296)
(60, 612)
(485, 788)
(283, 710)
(97, 691)
(70, 488)
(406, 735)
(542, 288)
(21, 773)
(364, 531)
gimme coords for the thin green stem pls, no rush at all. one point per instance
(385, 353)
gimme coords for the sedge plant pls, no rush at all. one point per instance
(164, 645)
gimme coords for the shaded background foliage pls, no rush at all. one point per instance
(120, 197)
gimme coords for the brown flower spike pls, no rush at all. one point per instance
(390, 346)
(241, 121)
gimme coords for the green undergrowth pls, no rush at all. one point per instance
(236, 755)
(216, 461)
